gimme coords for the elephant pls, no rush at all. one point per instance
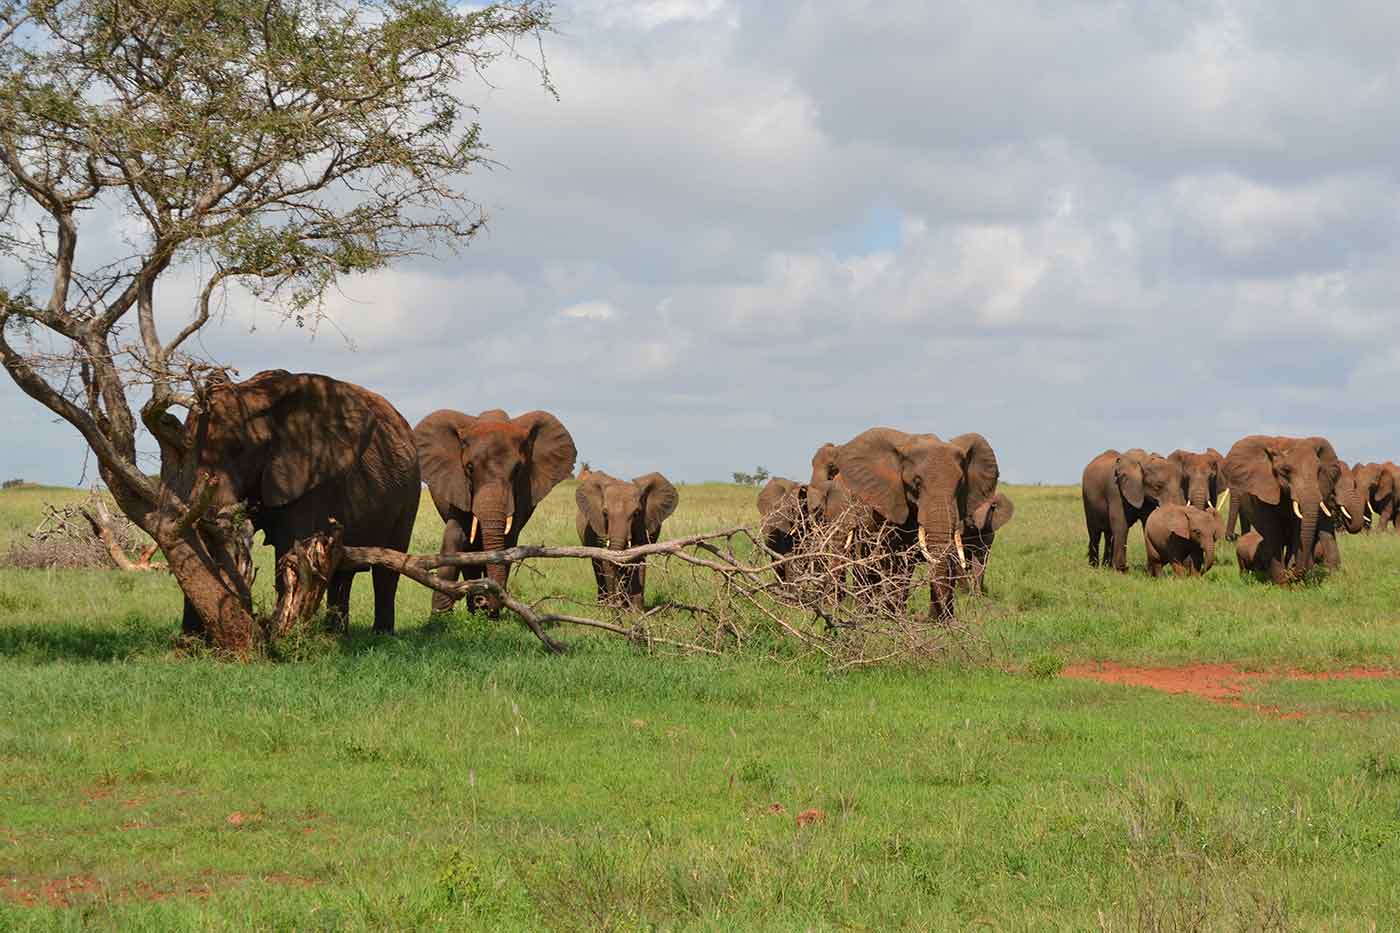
(1350, 517)
(300, 449)
(783, 519)
(1201, 479)
(1246, 552)
(618, 514)
(1120, 489)
(927, 491)
(487, 474)
(1184, 537)
(1285, 487)
(1380, 485)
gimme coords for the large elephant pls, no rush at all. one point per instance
(783, 519)
(926, 491)
(301, 449)
(1380, 485)
(1183, 537)
(1350, 517)
(618, 514)
(486, 475)
(1120, 489)
(1202, 479)
(1285, 487)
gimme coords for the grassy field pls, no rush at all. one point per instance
(455, 776)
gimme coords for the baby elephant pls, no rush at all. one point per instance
(1245, 549)
(1183, 536)
(618, 514)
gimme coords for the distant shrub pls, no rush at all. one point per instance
(757, 478)
(12, 483)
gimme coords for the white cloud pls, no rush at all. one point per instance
(590, 311)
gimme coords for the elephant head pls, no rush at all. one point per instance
(1301, 474)
(1376, 483)
(623, 514)
(825, 495)
(1201, 480)
(1201, 527)
(926, 486)
(1146, 479)
(273, 438)
(490, 471)
(782, 506)
(1351, 501)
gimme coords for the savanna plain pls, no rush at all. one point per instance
(455, 775)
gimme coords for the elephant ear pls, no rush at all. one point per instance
(1385, 487)
(1250, 467)
(589, 497)
(980, 469)
(993, 514)
(317, 428)
(872, 466)
(824, 467)
(661, 498)
(439, 439)
(775, 507)
(1130, 486)
(552, 452)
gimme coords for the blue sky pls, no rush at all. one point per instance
(746, 229)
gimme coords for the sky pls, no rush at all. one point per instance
(745, 229)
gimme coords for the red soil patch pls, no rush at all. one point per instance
(1218, 683)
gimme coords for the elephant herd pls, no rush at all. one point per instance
(1290, 496)
(882, 494)
(301, 449)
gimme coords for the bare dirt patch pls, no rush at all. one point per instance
(1218, 683)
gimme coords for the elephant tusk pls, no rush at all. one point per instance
(962, 557)
(472, 537)
(1297, 511)
(923, 545)
(1345, 513)
(1369, 511)
(509, 520)
(850, 536)
(1325, 511)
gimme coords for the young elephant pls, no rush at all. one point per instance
(618, 514)
(1246, 550)
(784, 520)
(1183, 536)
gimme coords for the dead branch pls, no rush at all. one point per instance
(106, 530)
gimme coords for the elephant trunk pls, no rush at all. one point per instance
(492, 510)
(940, 540)
(1353, 503)
(1199, 490)
(1207, 554)
(1307, 502)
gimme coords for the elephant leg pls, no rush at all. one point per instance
(600, 578)
(338, 600)
(454, 537)
(1095, 534)
(637, 585)
(386, 587)
(1331, 556)
(1118, 525)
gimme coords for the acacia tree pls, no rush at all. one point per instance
(276, 145)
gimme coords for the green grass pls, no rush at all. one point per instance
(455, 776)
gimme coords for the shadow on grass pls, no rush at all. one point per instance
(67, 641)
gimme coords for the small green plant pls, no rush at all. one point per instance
(1045, 666)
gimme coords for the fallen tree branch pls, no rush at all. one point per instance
(105, 530)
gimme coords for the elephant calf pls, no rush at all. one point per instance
(784, 519)
(1246, 553)
(618, 514)
(1121, 489)
(1184, 537)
